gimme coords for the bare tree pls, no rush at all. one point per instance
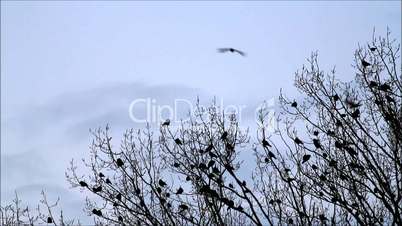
(335, 159)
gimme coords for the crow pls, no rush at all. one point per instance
(224, 135)
(119, 162)
(120, 218)
(183, 207)
(108, 181)
(271, 155)
(138, 191)
(384, 87)
(178, 141)
(352, 104)
(211, 163)
(176, 164)
(231, 185)
(265, 143)
(355, 114)
(97, 212)
(365, 63)
(298, 141)
(372, 49)
(166, 123)
(101, 175)
(49, 220)
(118, 197)
(162, 183)
(306, 158)
(314, 167)
(294, 104)
(335, 97)
(83, 184)
(317, 143)
(179, 191)
(315, 133)
(97, 189)
(224, 50)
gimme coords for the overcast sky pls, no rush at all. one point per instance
(67, 67)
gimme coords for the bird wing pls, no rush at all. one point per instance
(240, 52)
(222, 50)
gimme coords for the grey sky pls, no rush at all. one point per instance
(71, 66)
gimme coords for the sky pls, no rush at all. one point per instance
(70, 66)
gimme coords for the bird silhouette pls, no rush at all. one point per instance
(183, 207)
(166, 123)
(298, 141)
(108, 181)
(384, 87)
(224, 135)
(315, 133)
(335, 97)
(265, 143)
(365, 63)
(176, 164)
(294, 104)
(119, 162)
(138, 191)
(97, 189)
(97, 212)
(373, 84)
(232, 50)
(306, 157)
(314, 167)
(351, 103)
(355, 114)
(49, 220)
(271, 155)
(178, 141)
(118, 197)
(83, 184)
(372, 49)
(211, 163)
(161, 183)
(179, 191)
(120, 218)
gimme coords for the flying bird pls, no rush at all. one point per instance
(224, 50)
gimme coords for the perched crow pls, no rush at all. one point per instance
(211, 163)
(188, 178)
(159, 190)
(215, 170)
(49, 220)
(97, 189)
(166, 123)
(224, 135)
(179, 191)
(119, 162)
(176, 164)
(118, 197)
(372, 49)
(266, 159)
(271, 155)
(355, 114)
(306, 158)
(97, 212)
(384, 87)
(161, 183)
(120, 218)
(314, 167)
(298, 141)
(290, 221)
(231, 185)
(294, 104)
(317, 143)
(108, 181)
(138, 191)
(335, 97)
(373, 84)
(101, 175)
(178, 141)
(365, 63)
(183, 207)
(83, 184)
(315, 133)
(265, 143)
(224, 50)
(338, 144)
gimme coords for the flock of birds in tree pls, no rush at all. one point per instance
(213, 171)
